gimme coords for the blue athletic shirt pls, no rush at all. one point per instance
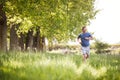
(84, 42)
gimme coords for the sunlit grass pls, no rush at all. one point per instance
(94, 72)
(44, 66)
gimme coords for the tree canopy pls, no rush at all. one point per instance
(58, 18)
(53, 19)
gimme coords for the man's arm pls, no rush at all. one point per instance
(79, 39)
(89, 38)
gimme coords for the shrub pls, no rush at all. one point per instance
(100, 46)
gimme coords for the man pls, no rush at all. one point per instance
(84, 39)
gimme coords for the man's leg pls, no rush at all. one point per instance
(88, 52)
(84, 57)
(84, 52)
(87, 55)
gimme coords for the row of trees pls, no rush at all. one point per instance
(26, 23)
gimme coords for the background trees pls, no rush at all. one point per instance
(31, 21)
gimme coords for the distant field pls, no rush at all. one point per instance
(45, 66)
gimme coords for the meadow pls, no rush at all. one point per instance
(50, 66)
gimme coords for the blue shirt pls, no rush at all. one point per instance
(84, 42)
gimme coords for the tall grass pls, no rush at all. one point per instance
(45, 66)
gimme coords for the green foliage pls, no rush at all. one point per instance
(2, 1)
(60, 19)
(100, 46)
(28, 66)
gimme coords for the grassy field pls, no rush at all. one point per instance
(45, 66)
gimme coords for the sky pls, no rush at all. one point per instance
(106, 25)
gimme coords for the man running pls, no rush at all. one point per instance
(84, 39)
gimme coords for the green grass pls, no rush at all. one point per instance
(45, 66)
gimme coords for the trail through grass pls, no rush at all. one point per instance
(45, 66)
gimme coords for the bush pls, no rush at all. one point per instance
(101, 46)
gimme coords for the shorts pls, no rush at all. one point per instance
(85, 50)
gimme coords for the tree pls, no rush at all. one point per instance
(59, 19)
(14, 40)
(3, 28)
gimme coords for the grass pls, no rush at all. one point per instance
(45, 66)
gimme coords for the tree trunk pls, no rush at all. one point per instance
(29, 41)
(34, 42)
(38, 41)
(21, 41)
(3, 29)
(14, 45)
(42, 44)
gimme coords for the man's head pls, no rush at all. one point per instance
(84, 29)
